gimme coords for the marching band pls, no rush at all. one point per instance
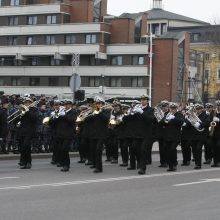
(28, 125)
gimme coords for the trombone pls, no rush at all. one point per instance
(21, 111)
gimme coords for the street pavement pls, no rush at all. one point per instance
(45, 193)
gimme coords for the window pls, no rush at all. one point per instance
(196, 37)
(116, 60)
(163, 28)
(207, 57)
(54, 62)
(138, 60)
(137, 82)
(31, 40)
(218, 74)
(50, 39)
(16, 81)
(11, 41)
(115, 82)
(155, 29)
(34, 81)
(70, 39)
(51, 19)
(14, 2)
(13, 20)
(35, 61)
(97, 12)
(32, 20)
(53, 81)
(2, 81)
(94, 82)
(90, 38)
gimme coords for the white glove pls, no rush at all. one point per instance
(184, 124)
(197, 125)
(112, 117)
(62, 113)
(139, 110)
(216, 119)
(170, 117)
(53, 114)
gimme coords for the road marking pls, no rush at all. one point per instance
(198, 182)
(80, 182)
(9, 177)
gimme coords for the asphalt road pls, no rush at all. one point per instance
(45, 193)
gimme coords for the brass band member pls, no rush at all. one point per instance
(160, 134)
(99, 126)
(199, 133)
(207, 145)
(215, 143)
(140, 124)
(172, 123)
(65, 133)
(26, 132)
(4, 125)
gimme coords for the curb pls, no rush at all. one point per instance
(34, 156)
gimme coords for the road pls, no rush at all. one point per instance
(45, 193)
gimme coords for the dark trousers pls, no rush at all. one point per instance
(145, 153)
(56, 150)
(135, 151)
(171, 153)
(162, 151)
(123, 144)
(215, 143)
(208, 149)
(25, 148)
(64, 146)
(186, 150)
(97, 148)
(83, 148)
(197, 150)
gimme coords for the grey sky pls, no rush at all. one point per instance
(204, 10)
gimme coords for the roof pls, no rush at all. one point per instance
(157, 14)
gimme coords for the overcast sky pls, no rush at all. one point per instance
(204, 10)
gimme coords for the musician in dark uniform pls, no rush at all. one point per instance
(139, 131)
(200, 132)
(116, 128)
(215, 136)
(172, 123)
(4, 125)
(66, 131)
(186, 139)
(26, 132)
(99, 125)
(207, 145)
(160, 134)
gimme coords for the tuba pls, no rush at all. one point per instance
(158, 113)
(193, 118)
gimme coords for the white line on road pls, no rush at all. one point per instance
(198, 182)
(80, 182)
(9, 177)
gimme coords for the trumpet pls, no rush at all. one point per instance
(56, 114)
(213, 124)
(22, 110)
(107, 106)
(84, 114)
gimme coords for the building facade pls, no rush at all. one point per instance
(39, 37)
(204, 61)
